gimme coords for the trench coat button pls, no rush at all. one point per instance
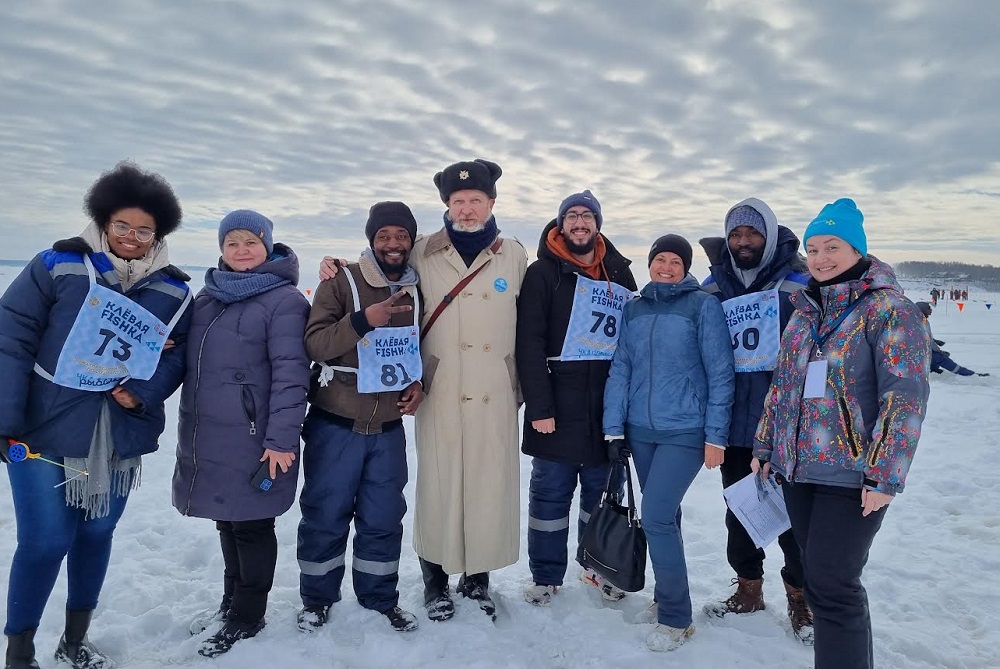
(486, 399)
(487, 348)
(239, 376)
(486, 296)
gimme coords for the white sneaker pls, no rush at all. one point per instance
(608, 591)
(540, 595)
(648, 615)
(664, 637)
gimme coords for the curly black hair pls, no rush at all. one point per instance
(128, 186)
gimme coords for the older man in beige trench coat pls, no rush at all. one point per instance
(468, 494)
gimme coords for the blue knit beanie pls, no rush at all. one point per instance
(841, 219)
(245, 219)
(584, 199)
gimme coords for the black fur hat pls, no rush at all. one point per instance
(477, 174)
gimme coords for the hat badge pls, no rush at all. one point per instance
(463, 175)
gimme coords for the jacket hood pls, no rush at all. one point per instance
(880, 276)
(661, 292)
(545, 254)
(786, 252)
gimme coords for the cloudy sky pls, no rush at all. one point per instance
(670, 111)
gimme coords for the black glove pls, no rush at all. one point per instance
(4, 446)
(617, 449)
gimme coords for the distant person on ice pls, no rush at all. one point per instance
(92, 341)
(941, 359)
(242, 404)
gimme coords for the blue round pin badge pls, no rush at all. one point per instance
(500, 285)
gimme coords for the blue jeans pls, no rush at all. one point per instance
(665, 472)
(550, 495)
(47, 532)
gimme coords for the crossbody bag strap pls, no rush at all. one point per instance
(453, 293)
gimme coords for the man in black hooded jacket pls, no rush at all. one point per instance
(756, 265)
(567, 319)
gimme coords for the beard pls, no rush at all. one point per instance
(392, 268)
(468, 227)
(752, 263)
(580, 249)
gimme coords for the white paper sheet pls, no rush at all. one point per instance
(760, 508)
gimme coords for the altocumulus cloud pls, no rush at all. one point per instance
(669, 111)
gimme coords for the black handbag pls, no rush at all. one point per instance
(614, 543)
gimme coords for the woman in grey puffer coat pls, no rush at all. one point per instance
(242, 407)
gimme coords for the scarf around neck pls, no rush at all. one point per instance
(129, 272)
(471, 243)
(556, 243)
(228, 286)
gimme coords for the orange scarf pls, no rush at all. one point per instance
(557, 244)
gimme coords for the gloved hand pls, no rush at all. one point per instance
(617, 448)
(5, 443)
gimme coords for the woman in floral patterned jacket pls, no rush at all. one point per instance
(842, 420)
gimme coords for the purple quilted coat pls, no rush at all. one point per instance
(244, 391)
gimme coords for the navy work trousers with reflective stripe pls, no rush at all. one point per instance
(351, 476)
(550, 495)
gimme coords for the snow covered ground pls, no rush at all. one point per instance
(932, 579)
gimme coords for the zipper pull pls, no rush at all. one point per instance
(253, 427)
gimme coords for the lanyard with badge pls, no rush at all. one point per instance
(112, 339)
(754, 322)
(388, 357)
(595, 320)
(815, 385)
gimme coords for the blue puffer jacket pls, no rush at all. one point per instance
(787, 271)
(673, 369)
(36, 314)
(245, 390)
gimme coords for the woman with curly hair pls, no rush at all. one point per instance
(92, 341)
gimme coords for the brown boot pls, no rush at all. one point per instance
(799, 615)
(749, 597)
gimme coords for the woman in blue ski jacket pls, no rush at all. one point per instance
(92, 341)
(668, 401)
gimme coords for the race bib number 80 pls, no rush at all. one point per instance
(754, 322)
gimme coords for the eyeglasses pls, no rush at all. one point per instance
(586, 217)
(122, 229)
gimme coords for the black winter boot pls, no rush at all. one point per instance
(21, 651)
(75, 649)
(234, 630)
(477, 587)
